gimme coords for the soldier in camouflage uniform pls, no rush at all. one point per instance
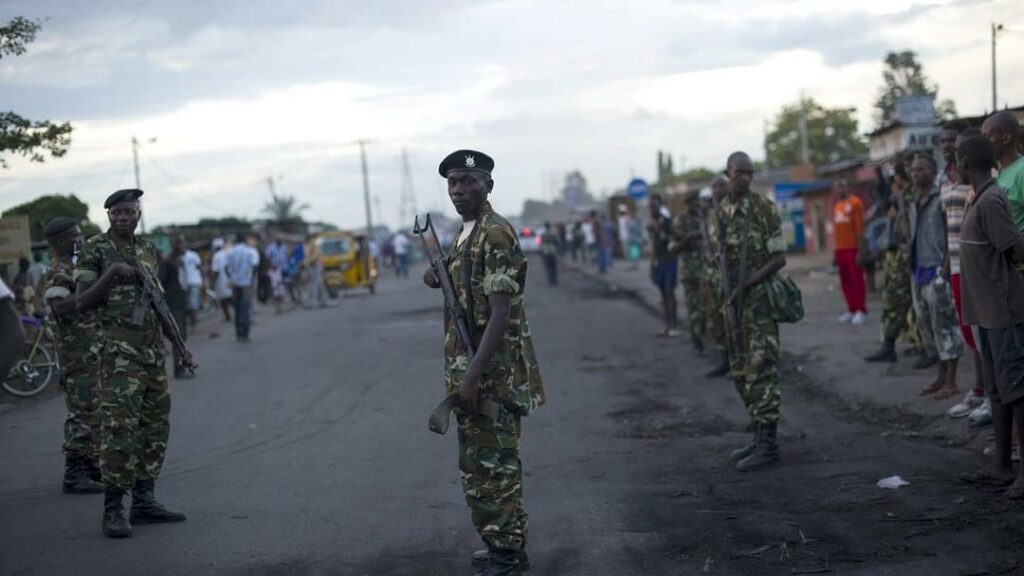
(77, 341)
(746, 217)
(488, 268)
(687, 241)
(712, 281)
(135, 401)
(897, 295)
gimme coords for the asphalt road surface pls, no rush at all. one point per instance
(306, 451)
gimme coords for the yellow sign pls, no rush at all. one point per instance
(15, 240)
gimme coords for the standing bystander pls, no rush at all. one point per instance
(993, 300)
(220, 282)
(172, 272)
(849, 224)
(954, 194)
(933, 298)
(664, 264)
(241, 266)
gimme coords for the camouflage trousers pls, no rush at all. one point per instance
(81, 426)
(755, 368)
(134, 410)
(692, 293)
(937, 321)
(896, 295)
(492, 479)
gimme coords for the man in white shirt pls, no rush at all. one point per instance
(400, 244)
(191, 266)
(219, 277)
(242, 261)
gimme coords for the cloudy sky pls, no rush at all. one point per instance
(237, 91)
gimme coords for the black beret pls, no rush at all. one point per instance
(126, 195)
(58, 225)
(466, 160)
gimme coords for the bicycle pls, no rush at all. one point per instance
(39, 366)
(209, 306)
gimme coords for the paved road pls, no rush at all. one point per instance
(306, 452)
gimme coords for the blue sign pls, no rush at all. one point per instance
(637, 189)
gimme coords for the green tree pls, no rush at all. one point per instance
(902, 76)
(46, 208)
(284, 209)
(832, 134)
(19, 135)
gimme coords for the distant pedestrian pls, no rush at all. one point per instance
(192, 265)
(933, 298)
(576, 241)
(241, 270)
(400, 247)
(607, 247)
(664, 264)
(221, 285)
(848, 219)
(549, 252)
(173, 277)
(316, 292)
(630, 235)
(993, 300)
(278, 291)
(587, 227)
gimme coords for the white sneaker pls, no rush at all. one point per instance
(858, 318)
(981, 416)
(845, 318)
(966, 406)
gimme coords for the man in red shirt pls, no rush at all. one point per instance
(849, 224)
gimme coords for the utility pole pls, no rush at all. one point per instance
(407, 198)
(138, 180)
(996, 28)
(805, 148)
(366, 188)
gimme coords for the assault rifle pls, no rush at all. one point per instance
(153, 297)
(438, 422)
(439, 262)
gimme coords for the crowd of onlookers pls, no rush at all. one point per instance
(949, 242)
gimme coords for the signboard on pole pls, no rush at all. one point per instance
(637, 189)
(15, 240)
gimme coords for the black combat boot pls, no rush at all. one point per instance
(145, 508)
(115, 525)
(721, 369)
(741, 453)
(92, 469)
(765, 452)
(887, 353)
(480, 558)
(76, 481)
(501, 563)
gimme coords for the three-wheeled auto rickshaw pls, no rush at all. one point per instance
(347, 261)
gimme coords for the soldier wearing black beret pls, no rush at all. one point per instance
(135, 401)
(488, 269)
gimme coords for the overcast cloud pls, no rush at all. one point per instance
(237, 91)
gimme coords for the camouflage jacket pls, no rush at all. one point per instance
(688, 241)
(756, 217)
(490, 262)
(141, 343)
(78, 333)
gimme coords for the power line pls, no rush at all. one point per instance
(175, 183)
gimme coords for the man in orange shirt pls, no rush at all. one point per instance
(849, 223)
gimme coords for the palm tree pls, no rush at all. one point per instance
(284, 208)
